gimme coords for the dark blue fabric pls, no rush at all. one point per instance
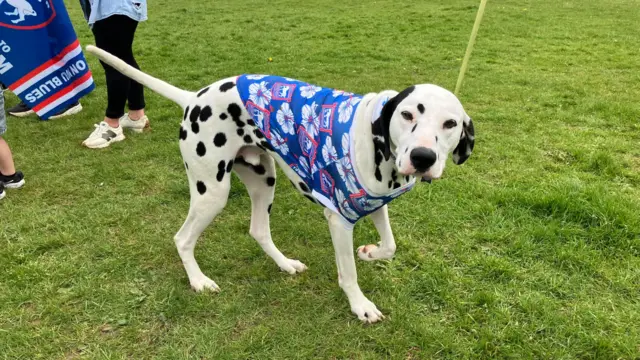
(86, 9)
(310, 128)
(31, 35)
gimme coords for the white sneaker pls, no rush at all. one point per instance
(71, 110)
(136, 125)
(103, 136)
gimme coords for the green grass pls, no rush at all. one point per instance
(531, 249)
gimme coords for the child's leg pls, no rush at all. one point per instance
(6, 159)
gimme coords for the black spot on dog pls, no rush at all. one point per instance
(378, 157)
(229, 166)
(269, 209)
(414, 127)
(378, 174)
(202, 188)
(251, 122)
(258, 133)
(436, 139)
(195, 127)
(266, 145)
(258, 169)
(303, 187)
(226, 86)
(235, 111)
(390, 184)
(195, 113)
(396, 185)
(206, 113)
(183, 133)
(221, 170)
(240, 132)
(220, 139)
(186, 112)
(220, 175)
(223, 116)
(247, 139)
(201, 149)
(376, 127)
(202, 91)
(271, 181)
(406, 178)
(421, 108)
(394, 175)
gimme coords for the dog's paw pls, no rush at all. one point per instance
(374, 252)
(204, 284)
(292, 266)
(366, 311)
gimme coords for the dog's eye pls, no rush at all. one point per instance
(407, 115)
(449, 124)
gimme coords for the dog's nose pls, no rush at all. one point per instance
(422, 158)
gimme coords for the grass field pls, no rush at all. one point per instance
(531, 249)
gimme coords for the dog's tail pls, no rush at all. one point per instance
(181, 97)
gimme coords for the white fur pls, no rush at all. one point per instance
(179, 96)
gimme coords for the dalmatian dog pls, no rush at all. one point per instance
(21, 8)
(351, 154)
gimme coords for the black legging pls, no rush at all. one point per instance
(115, 35)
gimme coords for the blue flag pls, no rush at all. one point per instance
(41, 60)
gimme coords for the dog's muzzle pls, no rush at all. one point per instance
(422, 159)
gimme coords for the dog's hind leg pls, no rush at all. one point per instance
(260, 181)
(209, 188)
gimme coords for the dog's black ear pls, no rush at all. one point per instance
(387, 112)
(467, 139)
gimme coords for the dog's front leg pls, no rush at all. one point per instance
(342, 239)
(386, 248)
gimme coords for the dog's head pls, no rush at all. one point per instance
(421, 126)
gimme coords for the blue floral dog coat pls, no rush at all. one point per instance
(310, 127)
